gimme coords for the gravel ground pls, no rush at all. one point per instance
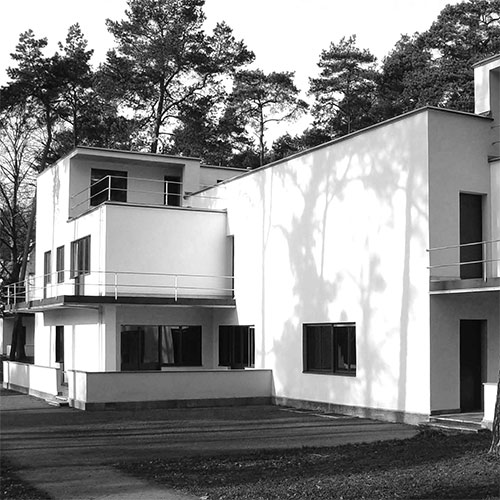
(429, 466)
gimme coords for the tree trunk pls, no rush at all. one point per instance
(158, 121)
(261, 138)
(17, 347)
(495, 440)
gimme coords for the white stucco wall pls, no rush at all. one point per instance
(495, 217)
(167, 241)
(339, 234)
(458, 162)
(175, 385)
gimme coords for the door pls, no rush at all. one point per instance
(471, 383)
(471, 230)
(173, 190)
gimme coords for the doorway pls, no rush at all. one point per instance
(471, 231)
(472, 338)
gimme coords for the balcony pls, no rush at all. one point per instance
(65, 288)
(465, 268)
(130, 190)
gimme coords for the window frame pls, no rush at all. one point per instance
(180, 347)
(60, 264)
(59, 344)
(47, 267)
(239, 341)
(333, 333)
(76, 246)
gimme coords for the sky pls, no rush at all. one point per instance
(285, 35)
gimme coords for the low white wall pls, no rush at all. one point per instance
(35, 379)
(113, 387)
(490, 397)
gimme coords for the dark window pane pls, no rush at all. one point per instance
(330, 348)
(173, 190)
(80, 256)
(59, 344)
(60, 264)
(107, 185)
(191, 345)
(237, 346)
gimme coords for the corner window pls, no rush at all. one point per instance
(107, 185)
(60, 264)
(237, 346)
(330, 348)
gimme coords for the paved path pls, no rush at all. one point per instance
(70, 454)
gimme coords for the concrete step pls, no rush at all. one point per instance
(450, 424)
(58, 400)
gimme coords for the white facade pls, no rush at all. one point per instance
(364, 238)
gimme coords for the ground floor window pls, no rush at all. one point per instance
(330, 348)
(237, 346)
(151, 347)
(59, 344)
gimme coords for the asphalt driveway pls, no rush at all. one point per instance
(69, 453)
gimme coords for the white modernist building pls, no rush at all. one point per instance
(362, 276)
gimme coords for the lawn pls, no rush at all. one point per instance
(431, 465)
(13, 487)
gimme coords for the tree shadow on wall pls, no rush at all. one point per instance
(387, 166)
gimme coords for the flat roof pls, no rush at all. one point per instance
(486, 60)
(344, 138)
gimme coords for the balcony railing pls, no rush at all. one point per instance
(129, 190)
(477, 260)
(118, 284)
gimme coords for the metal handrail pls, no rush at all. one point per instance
(461, 245)
(486, 259)
(108, 188)
(121, 177)
(23, 291)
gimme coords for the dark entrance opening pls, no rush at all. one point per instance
(472, 333)
(471, 231)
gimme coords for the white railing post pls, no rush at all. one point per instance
(8, 295)
(485, 260)
(176, 285)
(15, 294)
(109, 187)
(116, 286)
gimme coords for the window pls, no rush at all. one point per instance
(59, 344)
(60, 264)
(151, 347)
(173, 190)
(80, 257)
(237, 346)
(330, 348)
(47, 267)
(47, 271)
(107, 185)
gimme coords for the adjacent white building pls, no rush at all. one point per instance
(361, 276)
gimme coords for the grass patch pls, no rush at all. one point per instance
(13, 487)
(431, 465)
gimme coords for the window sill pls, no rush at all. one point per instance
(336, 374)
